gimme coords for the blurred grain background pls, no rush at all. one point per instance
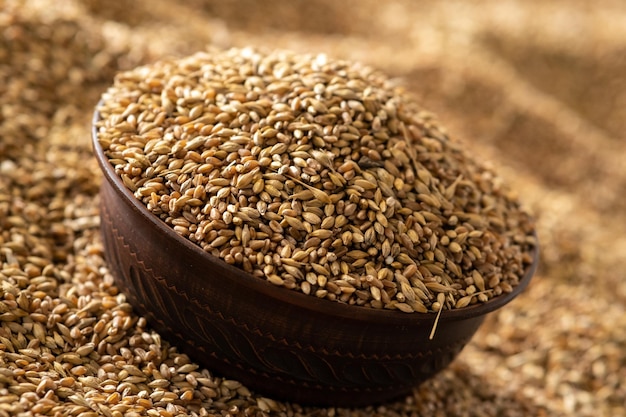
(536, 88)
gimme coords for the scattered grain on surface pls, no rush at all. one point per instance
(558, 350)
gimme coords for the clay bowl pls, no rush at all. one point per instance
(278, 342)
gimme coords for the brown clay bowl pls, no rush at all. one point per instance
(280, 343)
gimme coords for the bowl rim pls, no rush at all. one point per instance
(296, 298)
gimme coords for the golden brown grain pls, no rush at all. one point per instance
(561, 141)
(299, 171)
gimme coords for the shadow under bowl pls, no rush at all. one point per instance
(280, 343)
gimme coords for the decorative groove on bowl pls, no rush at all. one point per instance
(280, 358)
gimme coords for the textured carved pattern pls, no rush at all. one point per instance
(225, 340)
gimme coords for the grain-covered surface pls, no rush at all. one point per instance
(536, 88)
